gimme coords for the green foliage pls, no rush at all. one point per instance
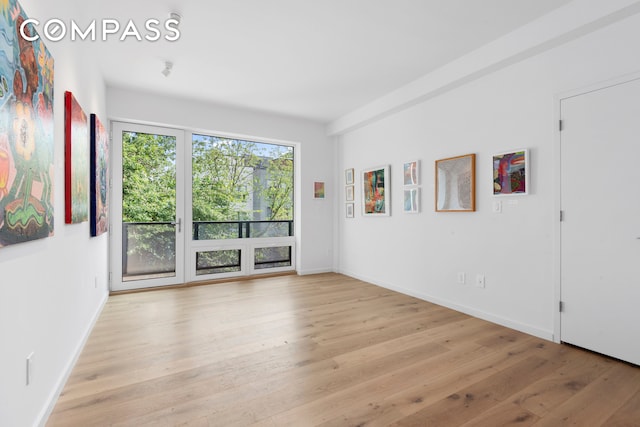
(148, 178)
(221, 180)
(278, 191)
(231, 179)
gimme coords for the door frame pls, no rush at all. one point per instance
(557, 170)
(115, 230)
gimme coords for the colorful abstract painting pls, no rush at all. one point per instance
(510, 173)
(375, 191)
(26, 131)
(318, 190)
(76, 173)
(99, 177)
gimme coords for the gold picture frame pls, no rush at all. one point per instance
(456, 184)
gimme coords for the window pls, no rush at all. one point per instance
(241, 189)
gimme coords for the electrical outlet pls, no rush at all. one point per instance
(462, 278)
(29, 376)
(480, 280)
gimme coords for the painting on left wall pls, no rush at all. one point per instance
(26, 131)
(76, 172)
(99, 175)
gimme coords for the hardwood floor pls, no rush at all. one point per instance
(333, 351)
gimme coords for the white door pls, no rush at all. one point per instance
(147, 228)
(600, 231)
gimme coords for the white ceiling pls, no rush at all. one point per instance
(315, 59)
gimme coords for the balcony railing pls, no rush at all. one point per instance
(217, 230)
(149, 248)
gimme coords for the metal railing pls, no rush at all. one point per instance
(149, 247)
(216, 230)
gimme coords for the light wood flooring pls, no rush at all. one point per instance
(333, 351)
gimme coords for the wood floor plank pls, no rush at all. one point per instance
(408, 389)
(599, 400)
(328, 350)
(628, 415)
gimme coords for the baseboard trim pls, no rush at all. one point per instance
(315, 271)
(53, 397)
(499, 320)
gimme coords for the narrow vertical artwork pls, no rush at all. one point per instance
(76, 175)
(318, 190)
(375, 191)
(26, 130)
(411, 173)
(411, 200)
(99, 177)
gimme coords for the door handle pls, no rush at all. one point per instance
(179, 224)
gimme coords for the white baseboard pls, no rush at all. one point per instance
(315, 271)
(499, 320)
(62, 380)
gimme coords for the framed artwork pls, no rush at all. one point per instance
(375, 191)
(411, 173)
(348, 176)
(348, 191)
(349, 210)
(511, 173)
(76, 172)
(26, 131)
(411, 200)
(99, 173)
(318, 190)
(456, 184)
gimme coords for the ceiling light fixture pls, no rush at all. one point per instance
(168, 65)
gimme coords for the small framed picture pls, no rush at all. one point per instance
(349, 210)
(456, 184)
(411, 200)
(348, 191)
(318, 190)
(348, 176)
(411, 172)
(511, 173)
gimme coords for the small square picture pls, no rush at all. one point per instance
(348, 191)
(349, 210)
(510, 173)
(348, 176)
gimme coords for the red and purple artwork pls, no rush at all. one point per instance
(99, 177)
(510, 174)
(26, 130)
(76, 173)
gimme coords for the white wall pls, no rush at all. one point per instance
(510, 108)
(314, 153)
(47, 296)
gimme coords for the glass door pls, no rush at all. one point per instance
(147, 246)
